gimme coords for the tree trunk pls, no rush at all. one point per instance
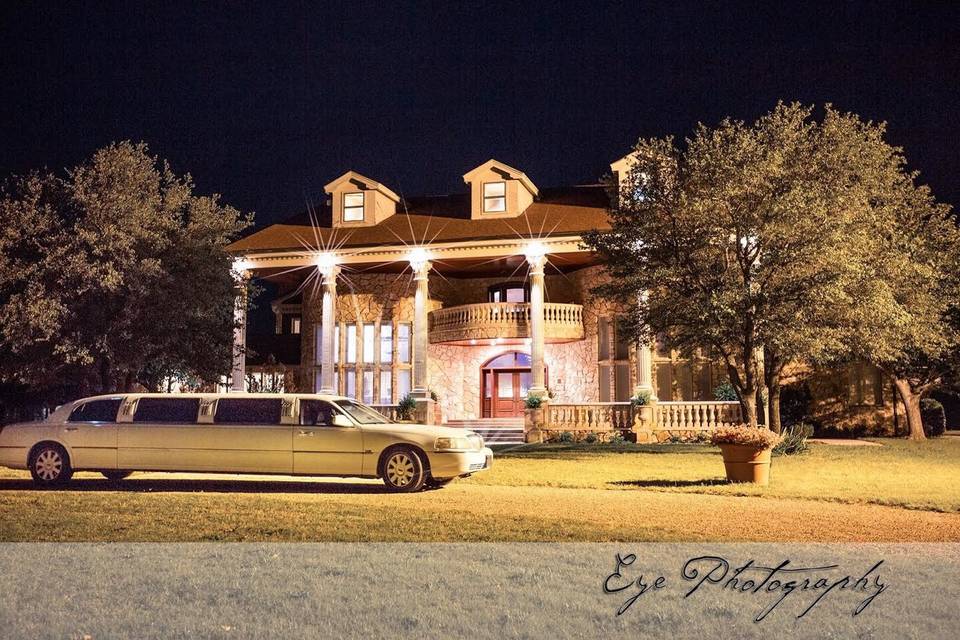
(911, 406)
(747, 394)
(748, 402)
(771, 376)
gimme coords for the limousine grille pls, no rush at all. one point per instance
(476, 442)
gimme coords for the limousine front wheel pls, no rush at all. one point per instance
(403, 470)
(50, 465)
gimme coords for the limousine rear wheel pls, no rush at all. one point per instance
(403, 470)
(50, 465)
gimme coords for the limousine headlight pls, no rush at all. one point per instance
(453, 444)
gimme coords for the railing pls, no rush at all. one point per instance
(490, 320)
(389, 410)
(696, 415)
(595, 416)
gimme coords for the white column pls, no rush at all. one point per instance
(328, 322)
(238, 370)
(537, 384)
(644, 363)
(420, 342)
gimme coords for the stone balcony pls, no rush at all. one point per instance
(505, 322)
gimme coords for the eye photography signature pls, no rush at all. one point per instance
(750, 579)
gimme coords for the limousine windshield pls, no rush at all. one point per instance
(361, 413)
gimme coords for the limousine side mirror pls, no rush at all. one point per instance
(340, 420)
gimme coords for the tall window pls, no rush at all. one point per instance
(403, 342)
(295, 325)
(368, 343)
(508, 292)
(613, 356)
(494, 197)
(351, 346)
(386, 388)
(386, 342)
(350, 388)
(353, 207)
(368, 386)
(403, 382)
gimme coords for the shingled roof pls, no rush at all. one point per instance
(563, 211)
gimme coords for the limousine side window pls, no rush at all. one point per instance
(316, 413)
(96, 411)
(248, 411)
(167, 410)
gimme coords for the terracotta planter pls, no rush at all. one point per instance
(746, 464)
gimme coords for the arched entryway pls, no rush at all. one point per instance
(504, 381)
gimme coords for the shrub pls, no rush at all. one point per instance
(533, 402)
(566, 436)
(590, 438)
(725, 392)
(932, 417)
(406, 407)
(757, 437)
(641, 399)
(617, 438)
(793, 440)
(795, 402)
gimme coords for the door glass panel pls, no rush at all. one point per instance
(524, 383)
(488, 384)
(505, 385)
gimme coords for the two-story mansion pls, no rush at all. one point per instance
(476, 300)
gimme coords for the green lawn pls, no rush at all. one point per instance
(898, 492)
(899, 473)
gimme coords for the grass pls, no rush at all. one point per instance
(898, 492)
(900, 473)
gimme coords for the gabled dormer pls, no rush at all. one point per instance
(499, 191)
(358, 201)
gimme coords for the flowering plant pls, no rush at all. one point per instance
(756, 437)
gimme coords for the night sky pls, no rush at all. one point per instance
(265, 104)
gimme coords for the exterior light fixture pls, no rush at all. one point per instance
(326, 261)
(535, 251)
(240, 265)
(473, 341)
(418, 257)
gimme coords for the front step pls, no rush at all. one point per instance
(493, 430)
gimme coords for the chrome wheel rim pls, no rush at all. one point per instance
(49, 464)
(400, 469)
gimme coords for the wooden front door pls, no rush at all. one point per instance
(504, 382)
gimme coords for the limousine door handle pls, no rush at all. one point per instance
(70, 429)
(306, 433)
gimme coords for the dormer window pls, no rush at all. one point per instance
(353, 207)
(494, 197)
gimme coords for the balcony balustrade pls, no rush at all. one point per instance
(504, 321)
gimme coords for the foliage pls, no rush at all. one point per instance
(641, 398)
(725, 392)
(113, 274)
(406, 407)
(745, 435)
(590, 438)
(793, 441)
(566, 436)
(933, 417)
(533, 402)
(617, 438)
(756, 242)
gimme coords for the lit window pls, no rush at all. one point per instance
(350, 389)
(403, 342)
(386, 395)
(367, 395)
(353, 206)
(494, 197)
(295, 325)
(351, 345)
(403, 383)
(386, 342)
(368, 343)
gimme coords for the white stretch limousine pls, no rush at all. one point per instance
(290, 434)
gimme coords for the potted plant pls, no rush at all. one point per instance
(746, 452)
